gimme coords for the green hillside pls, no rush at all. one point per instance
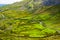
(23, 19)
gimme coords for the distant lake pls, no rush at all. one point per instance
(2, 4)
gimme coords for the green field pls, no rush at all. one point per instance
(25, 21)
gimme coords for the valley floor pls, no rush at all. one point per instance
(48, 38)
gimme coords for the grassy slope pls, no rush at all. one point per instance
(22, 23)
(53, 22)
